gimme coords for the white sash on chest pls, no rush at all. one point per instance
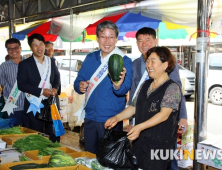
(144, 78)
(12, 99)
(35, 102)
(94, 81)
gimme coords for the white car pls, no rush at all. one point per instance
(214, 82)
(63, 63)
(189, 84)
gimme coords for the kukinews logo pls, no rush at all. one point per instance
(160, 154)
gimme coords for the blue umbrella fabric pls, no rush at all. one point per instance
(133, 22)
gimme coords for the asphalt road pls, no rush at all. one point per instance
(214, 117)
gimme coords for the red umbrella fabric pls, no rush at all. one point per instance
(41, 28)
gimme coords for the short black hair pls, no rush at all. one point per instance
(35, 36)
(48, 42)
(146, 31)
(12, 41)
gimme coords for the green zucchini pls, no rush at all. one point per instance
(24, 166)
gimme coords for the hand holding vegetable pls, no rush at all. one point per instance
(122, 77)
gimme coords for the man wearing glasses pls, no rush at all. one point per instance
(104, 98)
(8, 78)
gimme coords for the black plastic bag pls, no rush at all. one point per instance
(114, 151)
(45, 114)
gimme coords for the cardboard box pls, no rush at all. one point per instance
(2, 144)
(6, 166)
(211, 146)
(82, 154)
(183, 163)
(63, 99)
(33, 154)
(77, 167)
(23, 129)
(9, 155)
(211, 168)
(10, 139)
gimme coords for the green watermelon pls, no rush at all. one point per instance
(115, 67)
(61, 160)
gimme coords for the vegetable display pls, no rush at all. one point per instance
(49, 151)
(95, 165)
(23, 158)
(13, 130)
(115, 67)
(34, 142)
(61, 160)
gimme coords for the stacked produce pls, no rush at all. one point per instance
(34, 142)
(61, 160)
(13, 130)
(49, 151)
(56, 160)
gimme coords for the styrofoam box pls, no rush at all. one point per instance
(2, 144)
(7, 156)
(63, 110)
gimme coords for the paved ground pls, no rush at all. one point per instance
(214, 117)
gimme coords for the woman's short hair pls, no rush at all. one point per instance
(107, 24)
(35, 36)
(165, 55)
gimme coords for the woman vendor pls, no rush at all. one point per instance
(156, 110)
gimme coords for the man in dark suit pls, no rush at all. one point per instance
(38, 76)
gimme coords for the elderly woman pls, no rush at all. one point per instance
(156, 110)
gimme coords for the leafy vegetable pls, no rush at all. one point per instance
(95, 165)
(49, 151)
(23, 158)
(81, 161)
(34, 142)
(14, 130)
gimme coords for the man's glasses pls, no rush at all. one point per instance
(103, 38)
(15, 48)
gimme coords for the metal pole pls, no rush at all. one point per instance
(11, 17)
(70, 59)
(201, 92)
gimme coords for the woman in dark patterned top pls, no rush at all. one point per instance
(156, 110)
